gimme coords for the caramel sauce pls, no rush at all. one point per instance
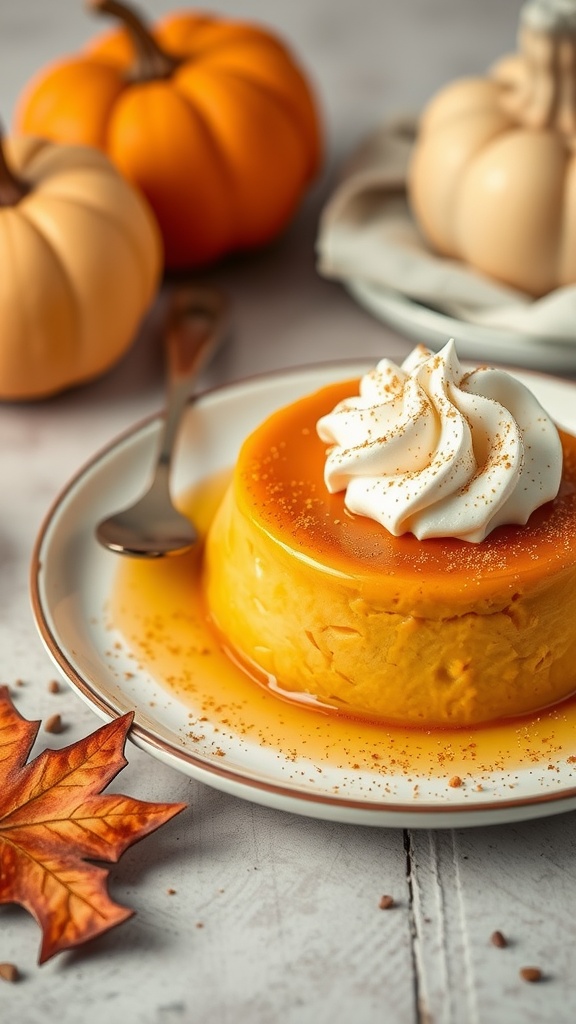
(158, 608)
(283, 481)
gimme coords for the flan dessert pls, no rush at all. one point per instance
(403, 548)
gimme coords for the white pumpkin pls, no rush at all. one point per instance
(492, 177)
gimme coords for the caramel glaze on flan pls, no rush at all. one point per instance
(329, 607)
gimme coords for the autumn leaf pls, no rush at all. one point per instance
(54, 821)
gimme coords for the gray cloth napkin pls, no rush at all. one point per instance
(367, 233)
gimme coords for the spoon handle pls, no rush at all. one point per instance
(197, 317)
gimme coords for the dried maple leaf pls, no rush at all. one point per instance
(54, 820)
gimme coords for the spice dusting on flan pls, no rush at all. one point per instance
(325, 574)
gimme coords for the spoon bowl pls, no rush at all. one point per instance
(152, 527)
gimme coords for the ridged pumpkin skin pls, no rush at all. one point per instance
(81, 257)
(493, 193)
(222, 147)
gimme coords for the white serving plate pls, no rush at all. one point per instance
(71, 581)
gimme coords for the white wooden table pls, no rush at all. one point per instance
(276, 917)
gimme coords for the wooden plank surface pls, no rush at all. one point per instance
(517, 879)
(275, 918)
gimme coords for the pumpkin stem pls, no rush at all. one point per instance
(541, 90)
(12, 189)
(150, 60)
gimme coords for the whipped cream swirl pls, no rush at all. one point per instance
(431, 449)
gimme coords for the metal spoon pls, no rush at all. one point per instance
(153, 527)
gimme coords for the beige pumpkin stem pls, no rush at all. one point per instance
(150, 60)
(540, 92)
(12, 188)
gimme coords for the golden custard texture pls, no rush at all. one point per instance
(316, 601)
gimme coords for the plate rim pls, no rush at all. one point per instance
(374, 297)
(421, 813)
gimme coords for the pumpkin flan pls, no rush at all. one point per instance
(399, 620)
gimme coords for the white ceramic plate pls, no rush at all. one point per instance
(71, 580)
(433, 329)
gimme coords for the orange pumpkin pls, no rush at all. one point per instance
(212, 119)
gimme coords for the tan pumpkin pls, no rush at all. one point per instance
(81, 257)
(492, 178)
